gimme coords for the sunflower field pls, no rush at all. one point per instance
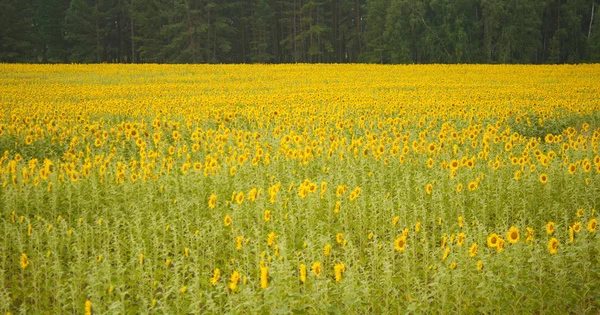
(292, 189)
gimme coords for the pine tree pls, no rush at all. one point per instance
(82, 32)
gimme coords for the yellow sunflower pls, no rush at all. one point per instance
(316, 268)
(553, 246)
(492, 240)
(550, 228)
(400, 244)
(543, 178)
(513, 235)
(473, 250)
(227, 220)
(592, 225)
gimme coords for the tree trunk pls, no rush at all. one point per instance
(591, 20)
(132, 41)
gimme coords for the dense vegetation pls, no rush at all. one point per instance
(286, 31)
(299, 189)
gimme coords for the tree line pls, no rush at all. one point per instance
(307, 31)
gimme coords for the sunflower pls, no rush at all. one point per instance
(431, 147)
(472, 186)
(446, 253)
(216, 275)
(87, 307)
(239, 242)
(24, 261)
(339, 270)
(312, 187)
(579, 212)
(339, 238)
(428, 189)
(400, 244)
(492, 240)
(473, 250)
(267, 215)
(543, 178)
(480, 265)
(395, 220)
(271, 238)
(501, 245)
(471, 163)
(337, 207)
(454, 164)
(529, 238)
(355, 193)
(592, 225)
(460, 239)
(571, 234)
(553, 246)
(513, 235)
(327, 249)
(239, 198)
(323, 188)
(212, 201)
(316, 268)
(577, 227)
(572, 168)
(453, 265)
(302, 273)
(234, 280)
(264, 277)
(550, 228)
(227, 220)
(252, 194)
(340, 191)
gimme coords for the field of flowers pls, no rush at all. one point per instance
(150, 189)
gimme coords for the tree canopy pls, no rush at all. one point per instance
(303, 31)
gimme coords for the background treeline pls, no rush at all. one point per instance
(287, 31)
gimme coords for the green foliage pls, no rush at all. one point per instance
(16, 32)
(314, 31)
(81, 32)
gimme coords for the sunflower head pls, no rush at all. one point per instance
(473, 250)
(553, 246)
(492, 240)
(513, 235)
(550, 227)
(592, 225)
(400, 244)
(543, 178)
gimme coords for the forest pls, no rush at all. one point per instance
(300, 31)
